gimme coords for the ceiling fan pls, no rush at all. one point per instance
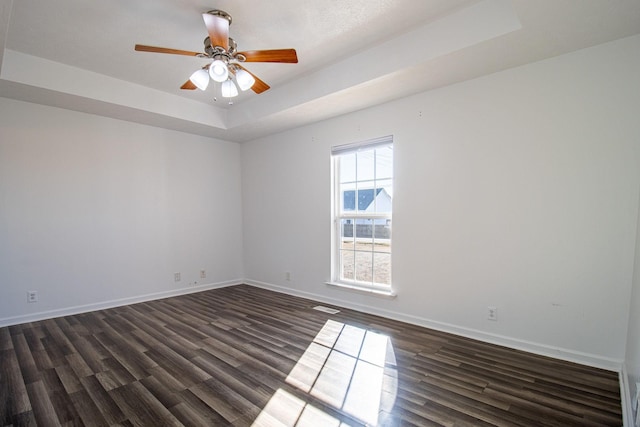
(227, 61)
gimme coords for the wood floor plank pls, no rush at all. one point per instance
(142, 407)
(233, 379)
(166, 396)
(243, 356)
(5, 339)
(92, 353)
(78, 365)
(216, 402)
(607, 403)
(191, 411)
(30, 372)
(43, 410)
(108, 409)
(188, 373)
(13, 390)
(60, 399)
(33, 337)
(58, 336)
(540, 408)
(87, 410)
(116, 373)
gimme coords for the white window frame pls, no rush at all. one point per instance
(338, 216)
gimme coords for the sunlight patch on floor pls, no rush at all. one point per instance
(286, 410)
(348, 368)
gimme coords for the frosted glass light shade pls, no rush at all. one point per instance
(244, 79)
(229, 89)
(218, 71)
(200, 78)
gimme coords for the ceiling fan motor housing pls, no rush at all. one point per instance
(220, 13)
(210, 50)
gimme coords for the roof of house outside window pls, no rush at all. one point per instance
(365, 198)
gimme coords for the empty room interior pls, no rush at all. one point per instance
(344, 214)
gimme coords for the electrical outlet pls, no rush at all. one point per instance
(492, 313)
(287, 276)
(32, 296)
(203, 274)
(176, 277)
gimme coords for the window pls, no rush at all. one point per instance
(363, 193)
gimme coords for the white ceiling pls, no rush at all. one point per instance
(79, 55)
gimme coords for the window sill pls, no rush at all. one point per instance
(375, 292)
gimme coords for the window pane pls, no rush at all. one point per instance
(366, 198)
(365, 165)
(382, 268)
(348, 198)
(382, 235)
(364, 265)
(346, 236)
(348, 168)
(347, 265)
(384, 192)
(384, 163)
(364, 234)
(382, 246)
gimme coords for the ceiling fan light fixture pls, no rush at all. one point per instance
(244, 79)
(219, 71)
(200, 78)
(229, 89)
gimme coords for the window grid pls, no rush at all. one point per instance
(363, 256)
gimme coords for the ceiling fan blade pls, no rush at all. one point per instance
(218, 28)
(145, 48)
(273, 55)
(259, 86)
(188, 85)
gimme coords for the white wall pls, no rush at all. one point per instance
(96, 211)
(517, 190)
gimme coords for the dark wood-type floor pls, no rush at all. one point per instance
(245, 356)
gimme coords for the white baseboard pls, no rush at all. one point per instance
(42, 315)
(528, 346)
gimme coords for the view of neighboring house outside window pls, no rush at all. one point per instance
(363, 194)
